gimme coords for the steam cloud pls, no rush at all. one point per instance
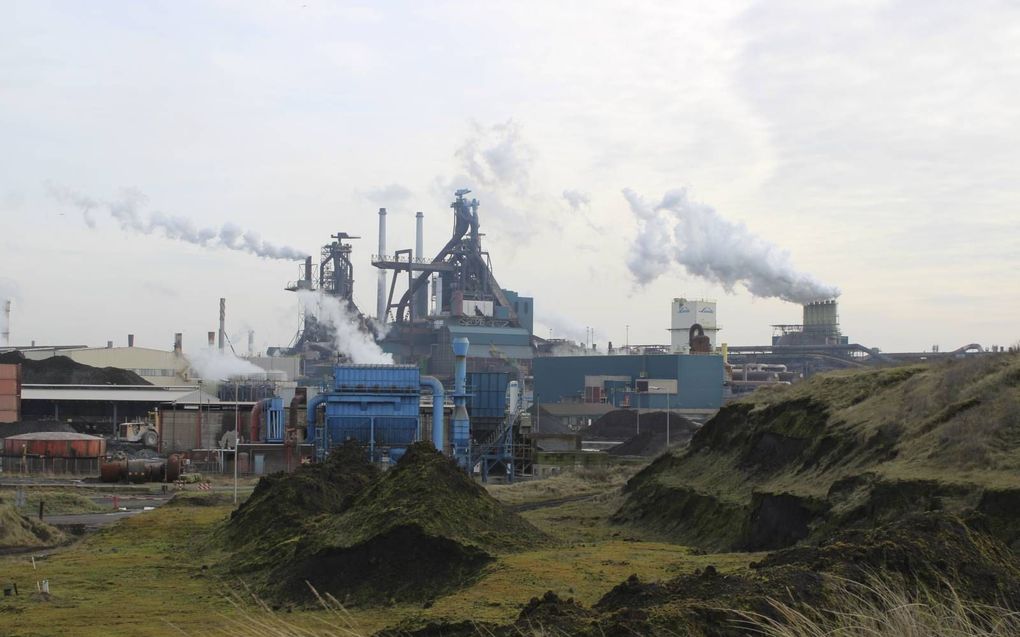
(693, 235)
(349, 339)
(497, 156)
(127, 211)
(215, 364)
(578, 200)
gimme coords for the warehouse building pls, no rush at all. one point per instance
(687, 383)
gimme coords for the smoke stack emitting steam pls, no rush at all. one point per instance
(693, 235)
(127, 212)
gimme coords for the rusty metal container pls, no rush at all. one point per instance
(174, 465)
(55, 444)
(113, 470)
(136, 471)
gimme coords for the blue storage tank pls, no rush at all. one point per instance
(377, 405)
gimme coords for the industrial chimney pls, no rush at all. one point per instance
(223, 320)
(131, 340)
(251, 343)
(212, 340)
(5, 336)
(421, 300)
(380, 306)
(178, 346)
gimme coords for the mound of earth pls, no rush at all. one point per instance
(409, 534)
(270, 525)
(848, 449)
(622, 424)
(18, 531)
(925, 551)
(61, 370)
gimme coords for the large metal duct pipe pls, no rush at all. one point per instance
(223, 320)
(438, 426)
(308, 272)
(313, 406)
(421, 301)
(380, 307)
(256, 419)
(461, 433)
(178, 343)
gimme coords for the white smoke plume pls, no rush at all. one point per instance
(215, 364)
(389, 195)
(350, 340)
(497, 156)
(127, 210)
(694, 235)
(578, 200)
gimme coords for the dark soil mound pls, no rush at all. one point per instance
(61, 370)
(843, 450)
(922, 552)
(409, 534)
(269, 526)
(622, 424)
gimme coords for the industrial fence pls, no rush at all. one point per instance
(13, 465)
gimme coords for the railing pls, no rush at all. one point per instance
(400, 258)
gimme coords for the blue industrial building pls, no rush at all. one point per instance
(685, 381)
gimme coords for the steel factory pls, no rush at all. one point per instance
(452, 359)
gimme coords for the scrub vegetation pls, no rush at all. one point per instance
(903, 479)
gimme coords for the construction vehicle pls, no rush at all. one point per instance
(143, 431)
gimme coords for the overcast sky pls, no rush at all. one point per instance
(877, 143)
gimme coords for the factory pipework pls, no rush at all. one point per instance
(438, 426)
(311, 409)
(380, 313)
(461, 429)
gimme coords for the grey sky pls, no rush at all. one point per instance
(877, 142)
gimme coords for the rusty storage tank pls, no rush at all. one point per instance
(55, 444)
(124, 470)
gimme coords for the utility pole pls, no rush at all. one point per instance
(237, 434)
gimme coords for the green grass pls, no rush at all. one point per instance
(56, 501)
(145, 576)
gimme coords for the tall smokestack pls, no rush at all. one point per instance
(380, 306)
(5, 336)
(131, 340)
(308, 272)
(212, 340)
(223, 320)
(251, 343)
(421, 300)
(178, 346)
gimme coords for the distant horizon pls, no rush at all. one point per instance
(623, 156)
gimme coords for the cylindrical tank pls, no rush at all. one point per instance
(136, 471)
(173, 467)
(113, 470)
(55, 444)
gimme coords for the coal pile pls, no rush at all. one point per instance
(409, 534)
(34, 426)
(61, 370)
